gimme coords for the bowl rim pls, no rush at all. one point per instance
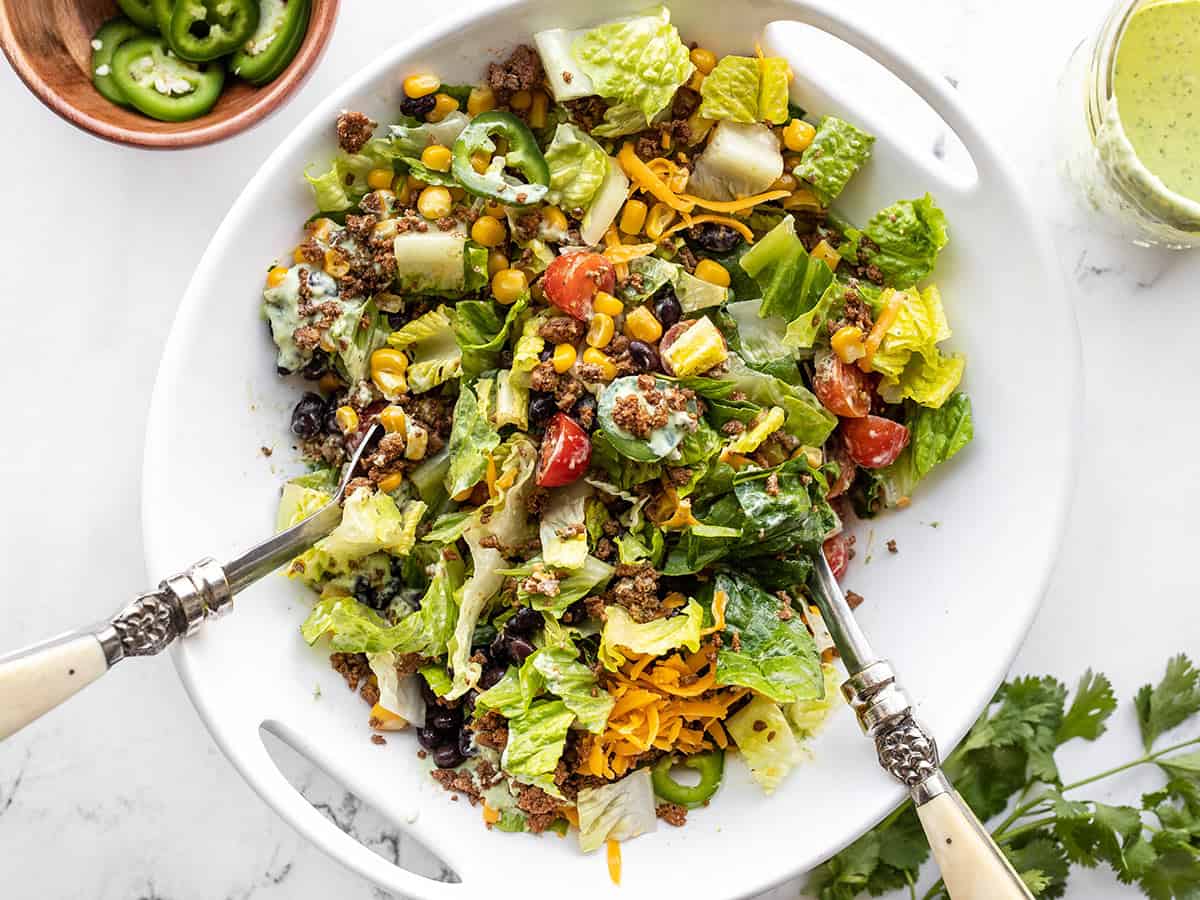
(824, 14)
(268, 99)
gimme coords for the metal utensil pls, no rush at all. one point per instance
(35, 680)
(973, 867)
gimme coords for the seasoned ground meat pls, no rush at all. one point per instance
(566, 388)
(586, 112)
(892, 546)
(634, 416)
(853, 599)
(526, 227)
(605, 549)
(732, 427)
(594, 606)
(563, 330)
(856, 311)
(536, 501)
(672, 814)
(460, 781)
(540, 807)
(679, 475)
(356, 484)
(353, 130)
(636, 589)
(433, 410)
(684, 103)
(357, 671)
(772, 485)
(522, 71)
(370, 263)
(491, 730)
(648, 145)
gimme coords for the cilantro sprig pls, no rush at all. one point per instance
(1007, 759)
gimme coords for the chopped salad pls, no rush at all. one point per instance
(634, 372)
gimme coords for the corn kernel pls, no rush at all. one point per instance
(418, 441)
(824, 252)
(336, 263)
(606, 303)
(436, 157)
(434, 202)
(848, 343)
(704, 60)
(443, 105)
(497, 262)
(712, 272)
(553, 219)
(388, 367)
(389, 483)
(276, 275)
(797, 135)
(318, 229)
(658, 220)
(786, 182)
(480, 160)
(346, 418)
(480, 100)
(488, 231)
(496, 210)
(595, 357)
(641, 325)
(537, 110)
(521, 100)
(600, 332)
(508, 285)
(379, 179)
(633, 217)
(393, 419)
(563, 358)
(421, 85)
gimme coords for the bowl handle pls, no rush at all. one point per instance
(305, 818)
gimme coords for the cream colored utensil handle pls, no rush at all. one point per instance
(973, 867)
(37, 680)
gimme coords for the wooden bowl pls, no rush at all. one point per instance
(48, 43)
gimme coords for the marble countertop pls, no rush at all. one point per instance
(121, 794)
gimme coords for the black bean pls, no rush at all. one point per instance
(714, 237)
(465, 747)
(397, 320)
(524, 621)
(506, 359)
(665, 306)
(546, 354)
(428, 738)
(644, 356)
(575, 613)
(308, 416)
(317, 366)
(448, 756)
(444, 721)
(541, 408)
(584, 411)
(491, 676)
(282, 371)
(367, 595)
(428, 695)
(418, 107)
(519, 649)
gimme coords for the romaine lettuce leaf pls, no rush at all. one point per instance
(562, 531)
(908, 357)
(654, 272)
(575, 683)
(472, 439)
(297, 503)
(806, 418)
(775, 657)
(436, 354)
(513, 693)
(577, 167)
(802, 331)
(766, 741)
(906, 238)
(410, 140)
(621, 119)
(640, 61)
(935, 435)
(371, 522)
(344, 183)
(837, 151)
(536, 739)
(400, 695)
(621, 632)
(573, 586)
(617, 811)
(808, 716)
(507, 519)
(746, 89)
(477, 593)
(371, 333)
(481, 332)
(758, 340)
(791, 281)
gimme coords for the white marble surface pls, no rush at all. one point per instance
(122, 794)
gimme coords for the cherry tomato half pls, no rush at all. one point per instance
(572, 280)
(566, 452)
(837, 553)
(873, 441)
(842, 389)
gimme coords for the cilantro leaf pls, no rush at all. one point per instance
(1169, 703)
(845, 876)
(1176, 874)
(1092, 833)
(1184, 765)
(1094, 702)
(905, 845)
(1029, 718)
(1042, 865)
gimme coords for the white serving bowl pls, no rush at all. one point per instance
(950, 610)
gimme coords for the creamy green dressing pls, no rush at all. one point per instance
(1157, 89)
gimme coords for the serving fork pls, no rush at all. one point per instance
(38, 678)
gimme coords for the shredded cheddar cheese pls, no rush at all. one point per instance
(623, 253)
(614, 861)
(688, 221)
(643, 176)
(491, 815)
(732, 206)
(613, 240)
(887, 317)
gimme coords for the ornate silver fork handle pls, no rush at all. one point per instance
(35, 680)
(973, 867)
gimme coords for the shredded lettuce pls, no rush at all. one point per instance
(640, 61)
(536, 739)
(400, 695)
(481, 332)
(371, 522)
(576, 684)
(617, 811)
(564, 539)
(739, 160)
(791, 281)
(776, 657)
(837, 151)
(477, 593)
(436, 357)
(906, 239)
(806, 418)
(766, 741)
(577, 167)
(572, 586)
(908, 357)
(472, 439)
(621, 632)
(746, 89)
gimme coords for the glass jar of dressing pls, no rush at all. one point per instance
(1129, 114)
